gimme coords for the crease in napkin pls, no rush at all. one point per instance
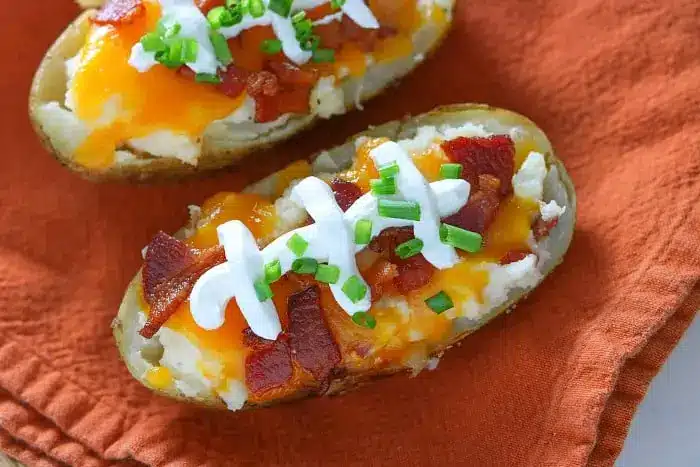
(614, 85)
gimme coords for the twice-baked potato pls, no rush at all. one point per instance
(163, 88)
(374, 260)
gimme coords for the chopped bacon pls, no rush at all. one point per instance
(412, 273)
(494, 155)
(331, 35)
(116, 12)
(169, 294)
(542, 228)
(312, 343)
(364, 38)
(262, 83)
(346, 193)
(380, 277)
(233, 81)
(207, 5)
(481, 208)
(165, 257)
(290, 74)
(514, 256)
(268, 366)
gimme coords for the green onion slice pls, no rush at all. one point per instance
(305, 266)
(190, 48)
(208, 78)
(363, 232)
(298, 17)
(355, 289)
(256, 8)
(364, 319)
(297, 244)
(337, 4)
(440, 302)
(327, 273)
(451, 171)
(152, 42)
(410, 248)
(409, 210)
(311, 44)
(220, 17)
(262, 290)
(323, 56)
(389, 170)
(273, 271)
(460, 238)
(281, 7)
(383, 186)
(271, 46)
(223, 53)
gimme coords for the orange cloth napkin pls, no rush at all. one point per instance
(617, 87)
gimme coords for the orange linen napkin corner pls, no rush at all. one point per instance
(616, 86)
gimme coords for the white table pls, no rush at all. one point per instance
(665, 432)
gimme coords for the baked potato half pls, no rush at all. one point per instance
(107, 108)
(521, 204)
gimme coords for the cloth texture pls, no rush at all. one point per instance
(616, 86)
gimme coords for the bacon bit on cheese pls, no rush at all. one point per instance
(514, 256)
(117, 12)
(494, 155)
(412, 273)
(346, 193)
(169, 275)
(311, 342)
(269, 365)
(481, 209)
(542, 228)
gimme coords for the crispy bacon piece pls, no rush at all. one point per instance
(312, 343)
(165, 257)
(494, 156)
(412, 273)
(380, 277)
(233, 81)
(290, 74)
(262, 83)
(116, 12)
(514, 256)
(169, 276)
(346, 193)
(481, 209)
(331, 35)
(541, 228)
(269, 365)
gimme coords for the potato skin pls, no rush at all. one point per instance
(219, 150)
(125, 325)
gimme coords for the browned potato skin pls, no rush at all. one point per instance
(50, 82)
(125, 324)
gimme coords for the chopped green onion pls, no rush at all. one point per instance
(327, 273)
(190, 48)
(163, 57)
(305, 266)
(220, 17)
(298, 17)
(451, 171)
(323, 56)
(311, 44)
(363, 232)
(172, 31)
(256, 8)
(271, 46)
(152, 42)
(273, 271)
(460, 238)
(304, 30)
(389, 170)
(337, 4)
(262, 290)
(223, 53)
(207, 78)
(281, 7)
(355, 289)
(410, 248)
(409, 210)
(440, 302)
(297, 244)
(364, 319)
(383, 186)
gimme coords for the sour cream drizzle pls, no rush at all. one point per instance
(195, 26)
(330, 239)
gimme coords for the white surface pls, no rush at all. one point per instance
(665, 432)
